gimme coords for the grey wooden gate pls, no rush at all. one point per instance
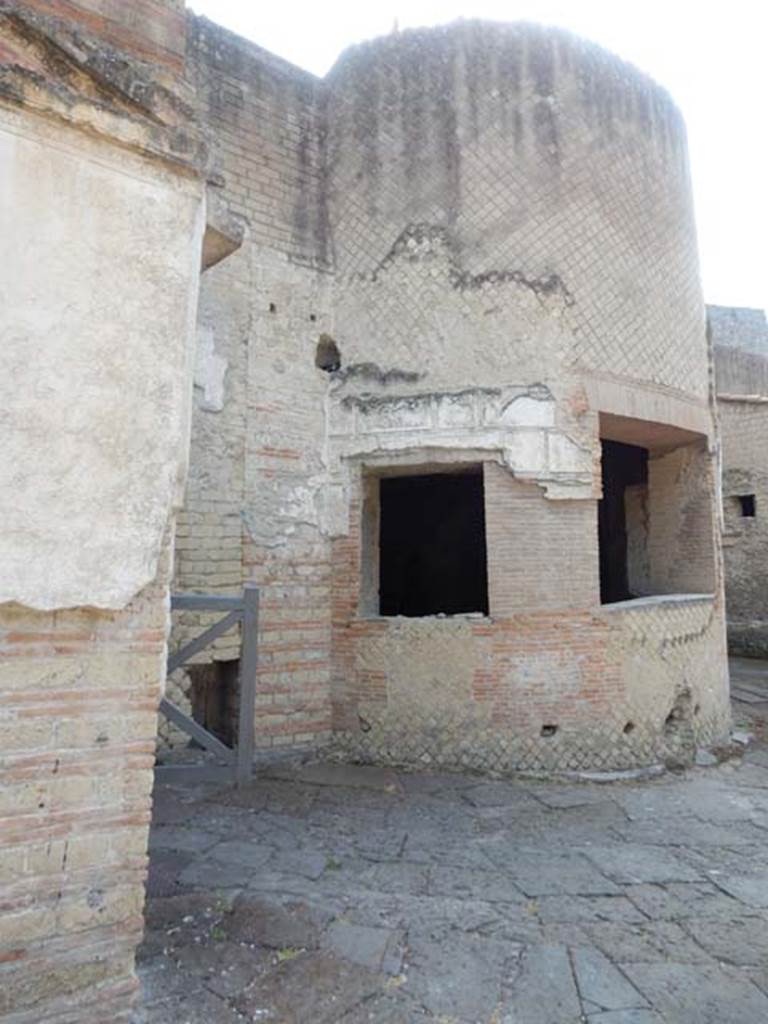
(238, 760)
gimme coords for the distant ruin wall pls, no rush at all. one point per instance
(740, 339)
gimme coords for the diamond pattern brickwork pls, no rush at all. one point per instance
(576, 172)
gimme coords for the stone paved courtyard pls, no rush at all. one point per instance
(326, 894)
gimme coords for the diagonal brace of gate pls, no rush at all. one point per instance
(243, 609)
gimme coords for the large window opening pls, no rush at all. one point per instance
(432, 552)
(622, 515)
(656, 526)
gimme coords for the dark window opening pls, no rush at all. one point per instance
(215, 697)
(747, 505)
(432, 555)
(623, 466)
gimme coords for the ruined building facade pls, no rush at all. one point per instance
(466, 307)
(453, 412)
(740, 344)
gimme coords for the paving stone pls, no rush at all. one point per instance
(572, 796)
(687, 833)
(169, 837)
(699, 994)
(602, 986)
(379, 844)
(436, 784)
(361, 944)
(307, 863)
(349, 775)
(186, 913)
(742, 941)
(632, 864)
(645, 943)
(275, 924)
(750, 890)
(501, 794)
(395, 877)
(226, 968)
(392, 1007)
(679, 900)
(544, 990)
(196, 1008)
(248, 853)
(463, 901)
(163, 979)
(461, 976)
(213, 874)
(625, 1017)
(493, 886)
(166, 869)
(546, 874)
(573, 909)
(309, 987)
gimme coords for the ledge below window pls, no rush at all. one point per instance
(656, 600)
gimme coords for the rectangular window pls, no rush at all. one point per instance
(747, 505)
(656, 526)
(620, 519)
(432, 553)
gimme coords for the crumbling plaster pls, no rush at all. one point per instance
(97, 409)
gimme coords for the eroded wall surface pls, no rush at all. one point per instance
(516, 276)
(102, 211)
(483, 236)
(740, 339)
(99, 251)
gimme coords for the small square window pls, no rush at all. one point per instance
(746, 505)
(432, 553)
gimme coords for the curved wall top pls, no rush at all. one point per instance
(522, 164)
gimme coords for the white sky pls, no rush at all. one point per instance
(712, 56)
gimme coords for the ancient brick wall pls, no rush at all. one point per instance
(541, 684)
(252, 509)
(740, 339)
(80, 691)
(494, 195)
(490, 229)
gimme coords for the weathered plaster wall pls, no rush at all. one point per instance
(102, 211)
(100, 251)
(740, 339)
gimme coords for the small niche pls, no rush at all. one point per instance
(547, 731)
(327, 355)
(312, 317)
(629, 728)
(272, 307)
(746, 505)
